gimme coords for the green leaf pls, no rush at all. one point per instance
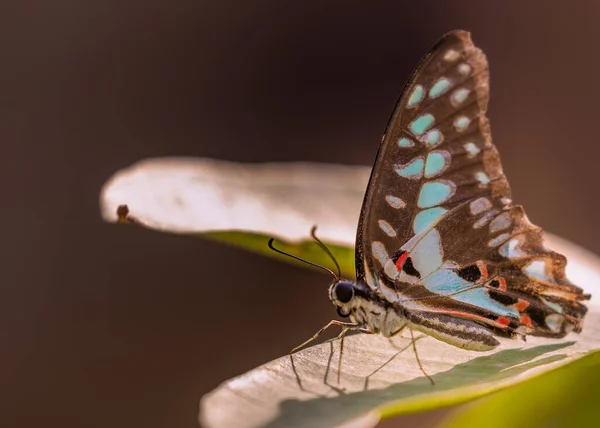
(305, 249)
(566, 397)
(244, 205)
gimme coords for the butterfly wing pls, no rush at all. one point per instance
(437, 230)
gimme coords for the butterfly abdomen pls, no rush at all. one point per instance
(459, 332)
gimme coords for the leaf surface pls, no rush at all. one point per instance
(244, 205)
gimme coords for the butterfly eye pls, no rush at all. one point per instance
(343, 292)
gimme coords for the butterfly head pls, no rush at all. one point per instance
(342, 294)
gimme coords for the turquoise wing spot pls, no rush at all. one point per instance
(413, 169)
(436, 163)
(433, 137)
(405, 142)
(427, 255)
(421, 124)
(416, 96)
(439, 88)
(435, 192)
(426, 217)
(444, 281)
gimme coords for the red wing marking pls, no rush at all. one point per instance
(482, 269)
(502, 322)
(401, 260)
(526, 320)
(521, 305)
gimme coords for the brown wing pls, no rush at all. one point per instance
(437, 212)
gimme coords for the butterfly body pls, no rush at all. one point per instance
(368, 309)
(440, 246)
(376, 314)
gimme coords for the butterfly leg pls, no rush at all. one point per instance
(347, 325)
(414, 345)
(368, 377)
(341, 337)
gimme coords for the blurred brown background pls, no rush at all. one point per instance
(105, 326)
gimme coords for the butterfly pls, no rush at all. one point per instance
(440, 247)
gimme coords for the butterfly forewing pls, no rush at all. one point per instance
(437, 228)
(433, 151)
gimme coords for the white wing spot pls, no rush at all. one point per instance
(471, 149)
(459, 96)
(387, 228)
(553, 305)
(501, 222)
(464, 69)
(498, 240)
(461, 123)
(484, 219)
(555, 322)
(369, 277)
(380, 253)
(391, 270)
(395, 202)
(511, 249)
(480, 205)
(451, 55)
(537, 269)
(482, 178)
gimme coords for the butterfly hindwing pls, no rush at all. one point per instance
(501, 270)
(438, 231)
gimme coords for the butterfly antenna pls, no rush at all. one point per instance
(313, 233)
(302, 260)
